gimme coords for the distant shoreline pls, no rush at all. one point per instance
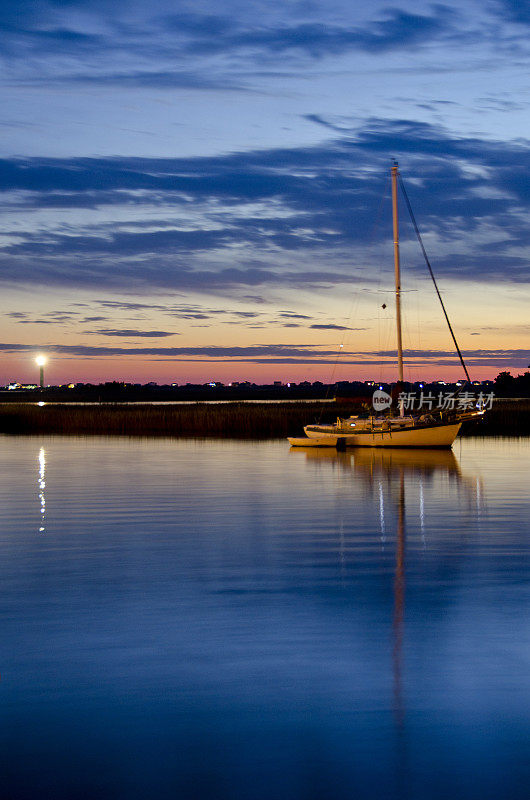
(354, 392)
(236, 419)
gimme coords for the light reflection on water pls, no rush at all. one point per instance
(41, 482)
(237, 620)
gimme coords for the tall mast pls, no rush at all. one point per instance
(397, 272)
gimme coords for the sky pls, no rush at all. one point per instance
(196, 191)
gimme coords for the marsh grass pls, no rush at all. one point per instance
(229, 420)
(506, 418)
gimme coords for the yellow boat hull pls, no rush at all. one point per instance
(426, 436)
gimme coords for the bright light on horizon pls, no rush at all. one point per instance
(40, 361)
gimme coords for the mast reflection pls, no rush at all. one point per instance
(382, 475)
(41, 485)
(399, 606)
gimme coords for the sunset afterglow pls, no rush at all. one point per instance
(178, 207)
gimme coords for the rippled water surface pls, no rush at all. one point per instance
(236, 620)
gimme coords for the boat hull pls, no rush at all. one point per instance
(305, 441)
(436, 436)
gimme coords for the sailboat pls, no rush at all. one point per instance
(433, 429)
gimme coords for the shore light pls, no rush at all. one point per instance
(40, 361)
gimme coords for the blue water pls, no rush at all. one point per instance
(237, 620)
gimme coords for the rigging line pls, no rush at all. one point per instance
(420, 240)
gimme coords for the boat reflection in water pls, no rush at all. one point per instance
(391, 477)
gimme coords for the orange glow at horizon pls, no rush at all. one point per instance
(130, 370)
(492, 334)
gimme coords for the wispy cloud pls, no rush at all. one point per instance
(514, 10)
(395, 29)
(128, 311)
(165, 36)
(132, 334)
(296, 216)
(286, 354)
(332, 327)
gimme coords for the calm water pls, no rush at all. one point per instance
(236, 620)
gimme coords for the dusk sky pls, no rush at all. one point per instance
(198, 191)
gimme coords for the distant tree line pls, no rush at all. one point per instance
(507, 385)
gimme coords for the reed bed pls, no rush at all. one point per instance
(233, 420)
(506, 418)
(230, 420)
